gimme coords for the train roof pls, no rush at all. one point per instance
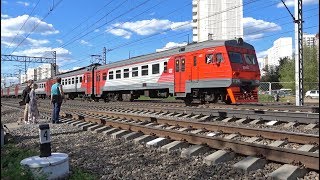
(76, 71)
(179, 50)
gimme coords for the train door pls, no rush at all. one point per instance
(195, 68)
(88, 80)
(97, 83)
(180, 74)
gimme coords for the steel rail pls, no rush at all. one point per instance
(265, 133)
(308, 159)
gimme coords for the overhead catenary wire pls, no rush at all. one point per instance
(29, 15)
(66, 44)
(135, 41)
(35, 27)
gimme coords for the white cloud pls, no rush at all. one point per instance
(63, 55)
(96, 30)
(11, 27)
(83, 42)
(4, 2)
(4, 16)
(171, 45)
(23, 3)
(59, 41)
(262, 54)
(147, 27)
(6, 40)
(290, 3)
(255, 28)
(120, 32)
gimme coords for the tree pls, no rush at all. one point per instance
(271, 74)
(286, 72)
(310, 68)
(310, 64)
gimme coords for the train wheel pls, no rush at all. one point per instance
(228, 100)
(188, 100)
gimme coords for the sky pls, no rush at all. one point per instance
(127, 28)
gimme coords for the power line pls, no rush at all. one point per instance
(228, 9)
(72, 30)
(107, 22)
(72, 39)
(35, 27)
(23, 24)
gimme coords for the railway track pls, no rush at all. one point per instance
(196, 133)
(248, 116)
(228, 139)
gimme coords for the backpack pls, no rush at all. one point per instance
(25, 95)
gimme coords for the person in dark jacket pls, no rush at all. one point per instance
(26, 99)
(57, 96)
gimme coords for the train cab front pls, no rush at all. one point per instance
(245, 74)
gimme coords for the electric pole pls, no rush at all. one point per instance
(104, 54)
(298, 52)
(297, 19)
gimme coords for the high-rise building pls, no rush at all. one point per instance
(44, 71)
(309, 39)
(217, 19)
(281, 48)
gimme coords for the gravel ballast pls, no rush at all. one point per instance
(117, 159)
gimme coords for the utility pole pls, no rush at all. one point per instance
(298, 52)
(55, 62)
(297, 19)
(104, 55)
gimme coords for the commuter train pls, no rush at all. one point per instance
(209, 71)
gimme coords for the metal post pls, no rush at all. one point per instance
(55, 62)
(270, 90)
(45, 140)
(298, 53)
(104, 55)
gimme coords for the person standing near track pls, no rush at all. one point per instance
(26, 99)
(57, 96)
(33, 105)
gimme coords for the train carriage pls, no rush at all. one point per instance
(207, 71)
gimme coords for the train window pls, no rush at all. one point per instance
(209, 58)
(155, 69)
(104, 76)
(81, 78)
(72, 81)
(110, 75)
(144, 70)
(250, 59)
(177, 65)
(235, 57)
(69, 81)
(118, 74)
(134, 71)
(165, 67)
(183, 65)
(125, 73)
(77, 78)
(194, 60)
(44, 85)
(219, 57)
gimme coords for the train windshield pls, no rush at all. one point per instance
(235, 57)
(250, 58)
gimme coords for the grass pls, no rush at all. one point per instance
(11, 156)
